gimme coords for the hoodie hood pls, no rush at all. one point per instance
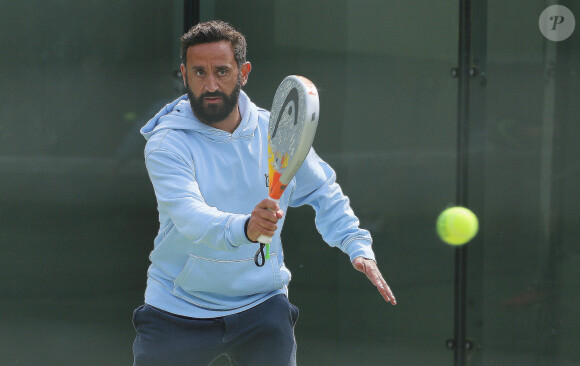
(178, 115)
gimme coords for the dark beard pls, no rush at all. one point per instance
(214, 113)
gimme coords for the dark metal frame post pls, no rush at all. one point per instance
(464, 56)
(190, 14)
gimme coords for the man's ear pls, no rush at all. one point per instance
(246, 68)
(183, 74)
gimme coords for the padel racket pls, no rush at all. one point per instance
(291, 130)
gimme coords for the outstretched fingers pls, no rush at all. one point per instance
(370, 269)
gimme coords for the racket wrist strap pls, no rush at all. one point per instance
(246, 230)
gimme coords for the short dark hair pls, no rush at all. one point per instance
(215, 31)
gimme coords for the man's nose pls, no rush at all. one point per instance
(211, 84)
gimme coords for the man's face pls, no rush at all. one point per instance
(213, 81)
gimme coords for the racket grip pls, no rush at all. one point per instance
(263, 239)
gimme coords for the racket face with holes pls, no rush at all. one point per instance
(293, 123)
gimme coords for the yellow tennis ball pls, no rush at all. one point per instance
(457, 225)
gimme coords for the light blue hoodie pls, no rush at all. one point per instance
(207, 182)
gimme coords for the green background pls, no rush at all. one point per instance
(78, 214)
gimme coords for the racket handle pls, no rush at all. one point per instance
(263, 239)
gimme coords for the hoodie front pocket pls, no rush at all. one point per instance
(219, 284)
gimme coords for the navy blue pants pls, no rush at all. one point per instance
(262, 335)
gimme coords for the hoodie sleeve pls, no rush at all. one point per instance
(179, 197)
(335, 220)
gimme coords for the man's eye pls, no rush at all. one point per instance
(222, 72)
(199, 73)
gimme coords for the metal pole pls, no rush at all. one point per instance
(190, 14)
(464, 56)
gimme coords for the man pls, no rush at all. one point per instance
(206, 158)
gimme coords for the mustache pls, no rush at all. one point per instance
(213, 95)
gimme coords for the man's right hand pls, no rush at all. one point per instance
(264, 219)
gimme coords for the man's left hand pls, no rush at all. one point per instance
(369, 268)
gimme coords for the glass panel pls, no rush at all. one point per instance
(388, 121)
(529, 256)
(77, 213)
